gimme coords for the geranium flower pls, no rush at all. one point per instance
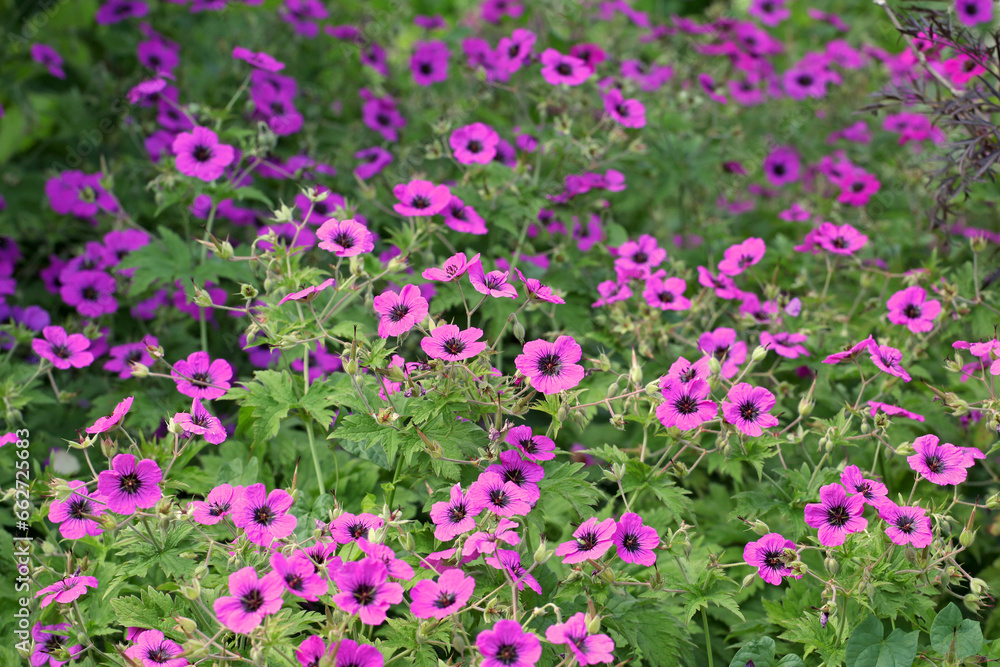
(851, 353)
(521, 472)
(441, 598)
(201, 422)
(250, 599)
(199, 154)
(309, 293)
(421, 198)
(105, 424)
(130, 484)
(785, 344)
(264, 516)
(941, 464)
(508, 645)
(63, 350)
(116, 11)
(737, 258)
(65, 591)
(907, 525)
(746, 407)
(782, 166)
(345, 238)
(684, 371)
(492, 284)
(77, 514)
(887, 359)
(455, 516)
(666, 293)
(400, 311)
(840, 240)
(474, 144)
(910, 307)
(972, 12)
(200, 377)
(626, 112)
(551, 367)
(453, 344)
(429, 63)
(593, 539)
(299, 576)
(891, 410)
(90, 292)
(349, 527)
(397, 568)
(837, 515)
(48, 642)
(49, 58)
(461, 217)
(152, 649)
(684, 404)
(123, 356)
(217, 504)
(535, 447)
(635, 542)
(499, 496)
(562, 69)
(768, 555)
(639, 258)
(512, 52)
(453, 268)
(587, 648)
(537, 291)
(373, 161)
(723, 285)
(722, 345)
(260, 60)
(872, 491)
(365, 590)
(769, 12)
(510, 562)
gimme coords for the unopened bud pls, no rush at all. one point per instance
(618, 421)
(904, 449)
(760, 528)
(831, 565)
(593, 624)
(993, 502)
(518, 330)
(805, 407)
(605, 363)
(563, 413)
(108, 447)
(967, 537)
(972, 601)
(653, 388)
(607, 575)
(635, 375)
(408, 542)
(542, 553)
(759, 353)
(186, 625)
(192, 592)
(747, 580)
(614, 389)
(978, 586)
(138, 370)
(224, 250)
(977, 242)
(107, 522)
(714, 366)
(202, 298)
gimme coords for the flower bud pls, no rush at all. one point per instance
(406, 539)
(904, 449)
(563, 413)
(192, 592)
(972, 602)
(760, 528)
(619, 470)
(542, 553)
(714, 366)
(618, 421)
(805, 407)
(910, 553)
(993, 502)
(759, 353)
(978, 586)
(138, 370)
(635, 375)
(614, 389)
(186, 625)
(593, 624)
(174, 427)
(248, 291)
(747, 580)
(605, 363)
(831, 565)
(107, 522)
(607, 575)
(653, 389)
(967, 537)
(202, 298)
(108, 447)
(224, 250)
(977, 242)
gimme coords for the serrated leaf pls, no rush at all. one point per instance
(951, 634)
(152, 611)
(164, 260)
(565, 482)
(760, 651)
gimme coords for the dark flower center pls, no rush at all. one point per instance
(564, 69)
(420, 201)
(905, 523)
(499, 498)
(294, 581)
(837, 516)
(199, 379)
(666, 297)
(934, 464)
(381, 119)
(475, 146)
(252, 601)
(202, 153)
(454, 346)
(779, 170)
(912, 311)
(445, 600)
(158, 655)
(749, 411)
(89, 293)
(773, 559)
(52, 644)
(720, 352)
(688, 375)
(858, 186)
(804, 79)
(364, 594)
(515, 475)
(130, 483)
(79, 508)
(218, 509)
(622, 110)
(640, 257)
(530, 446)
(506, 654)
(514, 50)
(587, 541)
(344, 240)
(456, 513)
(60, 351)
(840, 242)
(631, 542)
(686, 405)
(264, 516)
(865, 489)
(425, 68)
(358, 530)
(398, 312)
(550, 365)
(277, 108)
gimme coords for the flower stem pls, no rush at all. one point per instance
(708, 637)
(315, 456)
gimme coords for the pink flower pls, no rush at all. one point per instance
(626, 112)
(309, 293)
(746, 407)
(48, 642)
(63, 350)
(130, 485)
(441, 598)
(474, 144)
(666, 293)
(365, 590)
(105, 424)
(785, 344)
(972, 12)
(737, 258)
(906, 525)
(201, 422)
(634, 541)
(836, 516)
(593, 539)
(684, 404)
(534, 447)
(508, 645)
(510, 562)
(839, 240)
(250, 600)
(397, 568)
(944, 465)
(65, 591)
(259, 60)
(492, 284)
(152, 649)
(851, 353)
(199, 154)
(463, 218)
(299, 576)
(551, 367)
(874, 493)
(722, 345)
(456, 516)
(421, 198)
(910, 307)
(400, 312)
(562, 69)
(537, 291)
(891, 410)
(454, 267)
(349, 527)
(217, 504)
(345, 238)
(452, 344)
(200, 377)
(264, 516)
(887, 359)
(499, 496)
(587, 648)
(521, 472)
(768, 555)
(76, 514)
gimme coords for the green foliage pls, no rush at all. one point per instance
(867, 646)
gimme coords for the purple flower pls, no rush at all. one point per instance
(307, 294)
(259, 60)
(840, 240)
(514, 51)
(45, 55)
(63, 350)
(130, 485)
(741, 256)
(887, 359)
(493, 283)
(264, 518)
(785, 344)
(441, 598)
(665, 293)
(250, 599)
(157, 56)
(299, 576)
(910, 307)
(769, 12)
(200, 377)
(90, 292)
(508, 645)
(639, 258)
(685, 371)
(589, 649)
(152, 649)
(365, 591)
(452, 344)
(906, 525)
(836, 516)
(381, 115)
(941, 464)
(537, 291)
(455, 516)
(201, 422)
(76, 515)
(873, 492)
(429, 63)
(781, 166)
(199, 154)
(768, 555)
(400, 311)
(510, 562)
(523, 473)
(348, 527)
(684, 404)
(593, 539)
(217, 504)
(105, 424)
(635, 542)
(972, 12)
(562, 69)
(626, 112)
(48, 642)
(551, 367)
(746, 407)
(499, 496)
(463, 218)
(851, 353)
(722, 345)
(373, 161)
(397, 568)
(345, 238)
(474, 144)
(534, 447)
(421, 198)
(453, 268)
(875, 406)
(116, 11)
(65, 591)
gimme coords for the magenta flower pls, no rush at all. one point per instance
(737, 258)
(264, 519)
(499, 496)
(76, 193)
(837, 515)
(123, 356)
(785, 344)
(474, 144)
(746, 407)
(873, 492)
(349, 653)
(722, 345)
(587, 648)
(972, 12)
(65, 591)
(592, 541)
(452, 344)
(535, 447)
(666, 293)
(551, 367)
(105, 424)
(887, 359)
(90, 292)
(373, 161)
(635, 542)
(684, 404)
(685, 371)
(200, 377)
(537, 291)
(562, 69)
(299, 576)
(349, 527)
(781, 166)
(116, 11)
(523, 473)
(49, 58)
(199, 154)
(441, 598)
(48, 642)
(510, 562)
(400, 312)
(455, 516)
(130, 485)
(851, 353)
(63, 350)
(839, 240)
(421, 198)
(429, 63)
(345, 238)
(453, 268)
(508, 645)
(911, 308)
(463, 218)
(723, 285)
(201, 422)
(309, 293)
(769, 12)
(907, 525)
(639, 258)
(492, 284)
(768, 555)
(77, 514)
(217, 504)
(626, 112)
(152, 649)
(260, 60)
(891, 410)
(941, 464)
(365, 591)
(250, 599)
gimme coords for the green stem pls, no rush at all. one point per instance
(315, 457)
(708, 637)
(395, 477)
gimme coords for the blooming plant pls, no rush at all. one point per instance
(550, 333)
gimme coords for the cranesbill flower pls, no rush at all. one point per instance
(461, 217)
(593, 539)
(373, 161)
(587, 648)
(105, 424)
(474, 144)
(298, 576)
(350, 527)
(499, 496)
(782, 166)
(309, 293)
(537, 291)
(453, 344)
(551, 367)
(121, 358)
(493, 283)
(250, 600)
(684, 404)
(510, 562)
(65, 591)
(768, 555)
(942, 464)
(851, 353)
(508, 645)
(611, 292)
(420, 198)
(63, 350)
(724, 286)
(217, 504)
(400, 312)
(785, 344)
(441, 598)
(201, 422)
(517, 470)
(455, 516)
(910, 307)
(666, 293)
(887, 359)
(260, 60)
(264, 516)
(311, 651)
(130, 484)
(48, 642)
(874, 493)
(737, 258)
(345, 238)
(892, 410)
(116, 11)
(200, 377)
(635, 542)
(626, 112)
(365, 590)
(685, 371)
(840, 240)
(746, 407)
(639, 258)
(453, 268)
(429, 63)
(77, 514)
(45, 55)
(199, 154)
(514, 51)
(562, 69)
(90, 292)
(837, 515)
(722, 344)
(381, 115)
(535, 447)
(907, 525)
(971, 12)
(769, 12)
(152, 649)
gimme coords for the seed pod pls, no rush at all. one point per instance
(967, 537)
(758, 353)
(760, 528)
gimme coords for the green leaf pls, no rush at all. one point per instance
(271, 397)
(564, 481)
(253, 194)
(153, 611)
(760, 650)
(951, 634)
(363, 436)
(791, 661)
(164, 262)
(867, 648)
